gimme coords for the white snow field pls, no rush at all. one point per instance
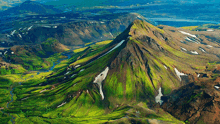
(99, 79)
(158, 97)
(179, 73)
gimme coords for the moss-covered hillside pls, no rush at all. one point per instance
(141, 60)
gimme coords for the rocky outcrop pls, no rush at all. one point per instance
(195, 103)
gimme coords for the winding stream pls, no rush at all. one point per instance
(40, 71)
(11, 93)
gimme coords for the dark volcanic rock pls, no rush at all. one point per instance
(194, 103)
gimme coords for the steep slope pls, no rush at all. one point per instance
(75, 32)
(197, 102)
(114, 83)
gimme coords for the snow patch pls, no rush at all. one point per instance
(139, 16)
(24, 98)
(217, 87)
(188, 34)
(179, 74)
(43, 90)
(12, 33)
(5, 52)
(46, 26)
(67, 72)
(77, 66)
(119, 44)
(194, 52)
(19, 35)
(30, 28)
(61, 104)
(165, 66)
(73, 75)
(158, 97)
(99, 79)
(188, 39)
(202, 50)
(183, 49)
(209, 46)
(209, 30)
(111, 34)
(81, 70)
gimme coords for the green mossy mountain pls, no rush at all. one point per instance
(141, 59)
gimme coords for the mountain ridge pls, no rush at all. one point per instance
(74, 33)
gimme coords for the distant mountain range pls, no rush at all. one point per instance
(74, 33)
(30, 8)
(6, 4)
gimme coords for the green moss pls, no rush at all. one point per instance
(190, 27)
(129, 85)
(194, 96)
(49, 42)
(79, 50)
(104, 42)
(5, 85)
